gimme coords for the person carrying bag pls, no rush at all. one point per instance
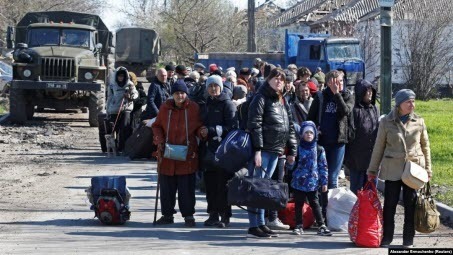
(401, 137)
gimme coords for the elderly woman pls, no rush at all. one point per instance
(178, 122)
(219, 117)
(271, 130)
(401, 134)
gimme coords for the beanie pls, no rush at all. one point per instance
(239, 91)
(170, 68)
(199, 65)
(403, 95)
(312, 87)
(182, 70)
(212, 68)
(179, 85)
(215, 79)
(245, 71)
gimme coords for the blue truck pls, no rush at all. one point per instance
(312, 51)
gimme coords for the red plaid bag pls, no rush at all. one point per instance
(365, 225)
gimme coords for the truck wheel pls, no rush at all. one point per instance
(95, 105)
(29, 110)
(17, 108)
(84, 109)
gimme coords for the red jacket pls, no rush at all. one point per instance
(177, 135)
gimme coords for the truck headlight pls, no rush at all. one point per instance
(27, 73)
(88, 76)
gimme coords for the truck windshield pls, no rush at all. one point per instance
(44, 36)
(63, 37)
(343, 51)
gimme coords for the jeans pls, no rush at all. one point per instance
(391, 198)
(278, 175)
(268, 163)
(357, 180)
(334, 157)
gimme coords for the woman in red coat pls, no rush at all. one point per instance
(178, 175)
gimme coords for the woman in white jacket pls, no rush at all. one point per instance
(120, 96)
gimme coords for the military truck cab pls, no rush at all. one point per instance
(60, 62)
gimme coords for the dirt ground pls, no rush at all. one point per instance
(45, 167)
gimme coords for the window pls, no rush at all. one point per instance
(315, 52)
(44, 36)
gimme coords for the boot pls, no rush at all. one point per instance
(213, 220)
(224, 222)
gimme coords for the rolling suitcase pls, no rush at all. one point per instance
(140, 143)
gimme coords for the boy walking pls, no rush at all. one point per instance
(310, 173)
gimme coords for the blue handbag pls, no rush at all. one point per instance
(173, 151)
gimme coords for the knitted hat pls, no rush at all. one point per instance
(181, 70)
(199, 65)
(239, 91)
(403, 95)
(170, 68)
(212, 68)
(214, 79)
(289, 76)
(312, 87)
(179, 85)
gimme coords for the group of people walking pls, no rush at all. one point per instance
(304, 128)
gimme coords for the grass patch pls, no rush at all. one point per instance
(3, 109)
(438, 115)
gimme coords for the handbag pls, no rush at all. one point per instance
(414, 175)
(173, 151)
(260, 193)
(427, 218)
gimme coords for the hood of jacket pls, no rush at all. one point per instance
(360, 90)
(122, 70)
(306, 124)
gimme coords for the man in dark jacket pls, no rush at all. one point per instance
(365, 116)
(158, 93)
(331, 118)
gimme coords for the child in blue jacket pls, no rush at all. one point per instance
(310, 173)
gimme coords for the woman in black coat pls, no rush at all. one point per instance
(219, 116)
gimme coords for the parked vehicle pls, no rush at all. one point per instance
(312, 51)
(61, 61)
(6, 75)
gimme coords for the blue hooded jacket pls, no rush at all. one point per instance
(311, 171)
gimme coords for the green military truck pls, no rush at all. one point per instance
(61, 61)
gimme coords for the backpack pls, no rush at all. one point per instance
(235, 151)
(108, 203)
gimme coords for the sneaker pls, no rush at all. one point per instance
(164, 220)
(213, 220)
(267, 230)
(277, 225)
(298, 230)
(257, 233)
(408, 246)
(324, 231)
(189, 221)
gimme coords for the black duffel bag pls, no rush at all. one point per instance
(257, 192)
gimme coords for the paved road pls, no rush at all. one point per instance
(51, 215)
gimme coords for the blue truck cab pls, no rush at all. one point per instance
(309, 50)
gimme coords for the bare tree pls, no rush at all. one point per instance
(426, 47)
(368, 32)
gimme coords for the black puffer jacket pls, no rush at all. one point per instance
(366, 122)
(219, 111)
(269, 123)
(157, 95)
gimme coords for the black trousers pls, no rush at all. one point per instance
(123, 127)
(185, 185)
(216, 191)
(299, 200)
(391, 198)
(278, 175)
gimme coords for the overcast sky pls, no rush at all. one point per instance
(110, 16)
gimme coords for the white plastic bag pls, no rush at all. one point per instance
(341, 201)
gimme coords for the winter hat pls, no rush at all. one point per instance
(308, 128)
(231, 69)
(239, 91)
(214, 79)
(180, 69)
(289, 76)
(403, 95)
(212, 68)
(179, 85)
(255, 71)
(170, 68)
(199, 65)
(312, 87)
(230, 73)
(267, 69)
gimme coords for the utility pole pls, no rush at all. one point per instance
(251, 40)
(386, 55)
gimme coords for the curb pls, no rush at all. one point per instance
(4, 118)
(446, 212)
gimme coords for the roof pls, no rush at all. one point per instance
(63, 25)
(351, 12)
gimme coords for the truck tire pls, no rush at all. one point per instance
(17, 106)
(96, 105)
(29, 110)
